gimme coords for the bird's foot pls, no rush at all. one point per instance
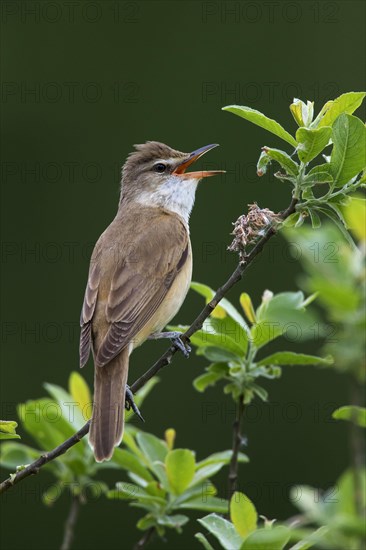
(185, 348)
(176, 339)
(130, 403)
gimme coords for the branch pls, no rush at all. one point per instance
(145, 539)
(237, 442)
(163, 361)
(33, 468)
(70, 523)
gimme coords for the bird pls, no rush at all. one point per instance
(139, 275)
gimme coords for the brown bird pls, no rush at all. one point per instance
(139, 275)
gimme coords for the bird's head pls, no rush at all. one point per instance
(156, 175)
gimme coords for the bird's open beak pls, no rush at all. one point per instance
(180, 170)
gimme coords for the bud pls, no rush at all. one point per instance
(303, 114)
(267, 296)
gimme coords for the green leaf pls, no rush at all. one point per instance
(8, 429)
(246, 304)
(291, 220)
(346, 490)
(312, 142)
(180, 468)
(218, 355)
(222, 457)
(209, 293)
(154, 489)
(146, 522)
(274, 538)
(303, 497)
(346, 103)
(355, 215)
(223, 530)
(282, 302)
(258, 390)
(203, 541)
(268, 155)
(309, 539)
(70, 409)
(52, 493)
(17, 454)
(173, 522)
(43, 420)
(206, 472)
(348, 157)
(355, 414)
(208, 336)
(339, 222)
(201, 383)
(80, 393)
(258, 118)
(206, 504)
(291, 358)
(129, 440)
(315, 219)
(318, 175)
(201, 490)
(131, 463)
(284, 314)
(130, 491)
(243, 514)
(271, 372)
(154, 449)
(160, 472)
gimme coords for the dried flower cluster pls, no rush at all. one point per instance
(249, 228)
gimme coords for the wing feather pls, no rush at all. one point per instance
(141, 274)
(87, 312)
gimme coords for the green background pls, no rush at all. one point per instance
(106, 75)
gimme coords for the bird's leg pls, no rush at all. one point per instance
(176, 339)
(130, 403)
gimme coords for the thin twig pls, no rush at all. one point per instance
(163, 361)
(145, 539)
(70, 523)
(237, 442)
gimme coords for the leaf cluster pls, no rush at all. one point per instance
(243, 531)
(336, 272)
(50, 421)
(321, 189)
(165, 481)
(234, 344)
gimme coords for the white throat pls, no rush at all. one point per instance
(176, 194)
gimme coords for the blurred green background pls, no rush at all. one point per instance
(81, 83)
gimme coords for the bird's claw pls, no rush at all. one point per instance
(181, 346)
(176, 339)
(130, 403)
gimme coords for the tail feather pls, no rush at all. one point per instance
(107, 421)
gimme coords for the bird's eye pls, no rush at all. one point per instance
(160, 167)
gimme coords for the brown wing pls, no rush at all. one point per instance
(144, 271)
(142, 281)
(87, 312)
